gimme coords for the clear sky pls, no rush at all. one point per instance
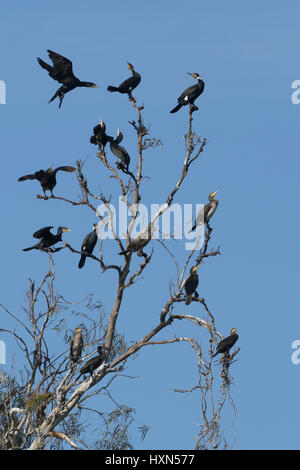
(248, 56)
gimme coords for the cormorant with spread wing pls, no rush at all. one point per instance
(76, 345)
(128, 85)
(206, 213)
(190, 94)
(191, 284)
(227, 343)
(47, 239)
(120, 152)
(100, 138)
(88, 245)
(47, 178)
(93, 363)
(62, 72)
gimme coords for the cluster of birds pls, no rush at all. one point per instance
(61, 70)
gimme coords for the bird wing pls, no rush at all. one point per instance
(188, 91)
(43, 232)
(27, 177)
(70, 169)
(62, 67)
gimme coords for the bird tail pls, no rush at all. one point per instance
(81, 261)
(193, 228)
(112, 88)
(44, 65)
(188, 300)
(29, 248)
(177, 108)
(53, 97)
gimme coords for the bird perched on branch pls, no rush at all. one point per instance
(190, 94)
(206, 213)
(191, 284)
(100, 138)
(76, 345)
(47, 178)
(227, 343)
(119, 151)
(128, 85)
(62, 72)
(47, 239)
(88, 245)
(93, 363)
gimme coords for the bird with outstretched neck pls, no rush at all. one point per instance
(62, 72)
(47, 239)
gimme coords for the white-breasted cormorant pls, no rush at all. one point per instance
(76, 345)
(206, 213)
(190, 94)
(88, 245)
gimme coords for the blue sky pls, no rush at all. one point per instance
(247, 55)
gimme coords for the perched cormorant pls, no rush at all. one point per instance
(128, 85)
(62, 72)
(206, 212)
(227, 343)
(93, 363)
(76, 345)
(100, 137)
(190, 94)
(47, 238)
(88, 245)
(119, 151)
(47, 178)
(191, 284)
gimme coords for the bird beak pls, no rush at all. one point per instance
(95, 86)
(196, 268)
(190, 74)
(213, 194)
(67, 230)
(118, 131)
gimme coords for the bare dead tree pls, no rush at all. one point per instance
(52, 400)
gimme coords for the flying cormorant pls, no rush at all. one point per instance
(47, 178)
(190, 94)
(47, 238)
(191, 284)
(88, 245)
(227, 343)
(62, 72)
(128, 85)
(206, 212)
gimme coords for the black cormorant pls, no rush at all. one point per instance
(47, 178)
(227, 343)
(206, 212)
(191, 284)
(47, 238)
(88, 245)
(62, 72)
(128, 85)
(190, 94)
(119, 151)
(76, 345)
(100, 137)
(93, 363)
